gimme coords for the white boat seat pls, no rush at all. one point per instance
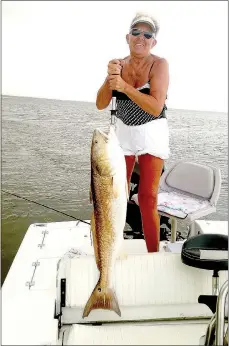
(188, 191)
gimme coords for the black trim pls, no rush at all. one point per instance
(208, 300)
(62, 292)
(122, 96)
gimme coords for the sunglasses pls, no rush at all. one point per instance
(137, 32)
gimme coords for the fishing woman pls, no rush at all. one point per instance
(141, 83)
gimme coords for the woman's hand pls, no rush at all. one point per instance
(114, 67)
(116, 83)
(104, 94)
(114, 79)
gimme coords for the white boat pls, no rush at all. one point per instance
(54, 271)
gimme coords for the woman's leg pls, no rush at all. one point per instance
(150, 173)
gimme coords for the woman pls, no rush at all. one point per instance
(141, 81)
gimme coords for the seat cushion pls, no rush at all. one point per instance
(180, 205)
(206, 251)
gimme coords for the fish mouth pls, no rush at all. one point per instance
(105, 134)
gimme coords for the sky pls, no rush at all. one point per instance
(60, 49)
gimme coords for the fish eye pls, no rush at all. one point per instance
(96, 141)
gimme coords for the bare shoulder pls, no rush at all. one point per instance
(158, 63)
(158, 59)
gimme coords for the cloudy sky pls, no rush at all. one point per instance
(60, 49)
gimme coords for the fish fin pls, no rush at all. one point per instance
(115, 188)
(102, 298)
(95, 244)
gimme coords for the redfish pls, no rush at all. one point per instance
(109, 194)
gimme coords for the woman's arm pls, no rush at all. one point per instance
(159, 82)
(104, 95)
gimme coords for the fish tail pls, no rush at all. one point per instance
(102, 298)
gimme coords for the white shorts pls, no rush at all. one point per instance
(150, 138)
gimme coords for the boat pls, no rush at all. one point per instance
(54, 271)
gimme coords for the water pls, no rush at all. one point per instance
(46, 158)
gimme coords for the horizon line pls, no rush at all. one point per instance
(71, 100)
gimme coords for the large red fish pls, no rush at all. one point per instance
(109, 195)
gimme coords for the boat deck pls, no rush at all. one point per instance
(29, 291)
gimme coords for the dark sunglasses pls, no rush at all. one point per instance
(137, 32)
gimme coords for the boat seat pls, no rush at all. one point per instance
(188, 191)
(209, 252)
(206, 251)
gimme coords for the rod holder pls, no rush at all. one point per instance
(113, 107)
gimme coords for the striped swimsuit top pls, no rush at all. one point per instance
(130, 113)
